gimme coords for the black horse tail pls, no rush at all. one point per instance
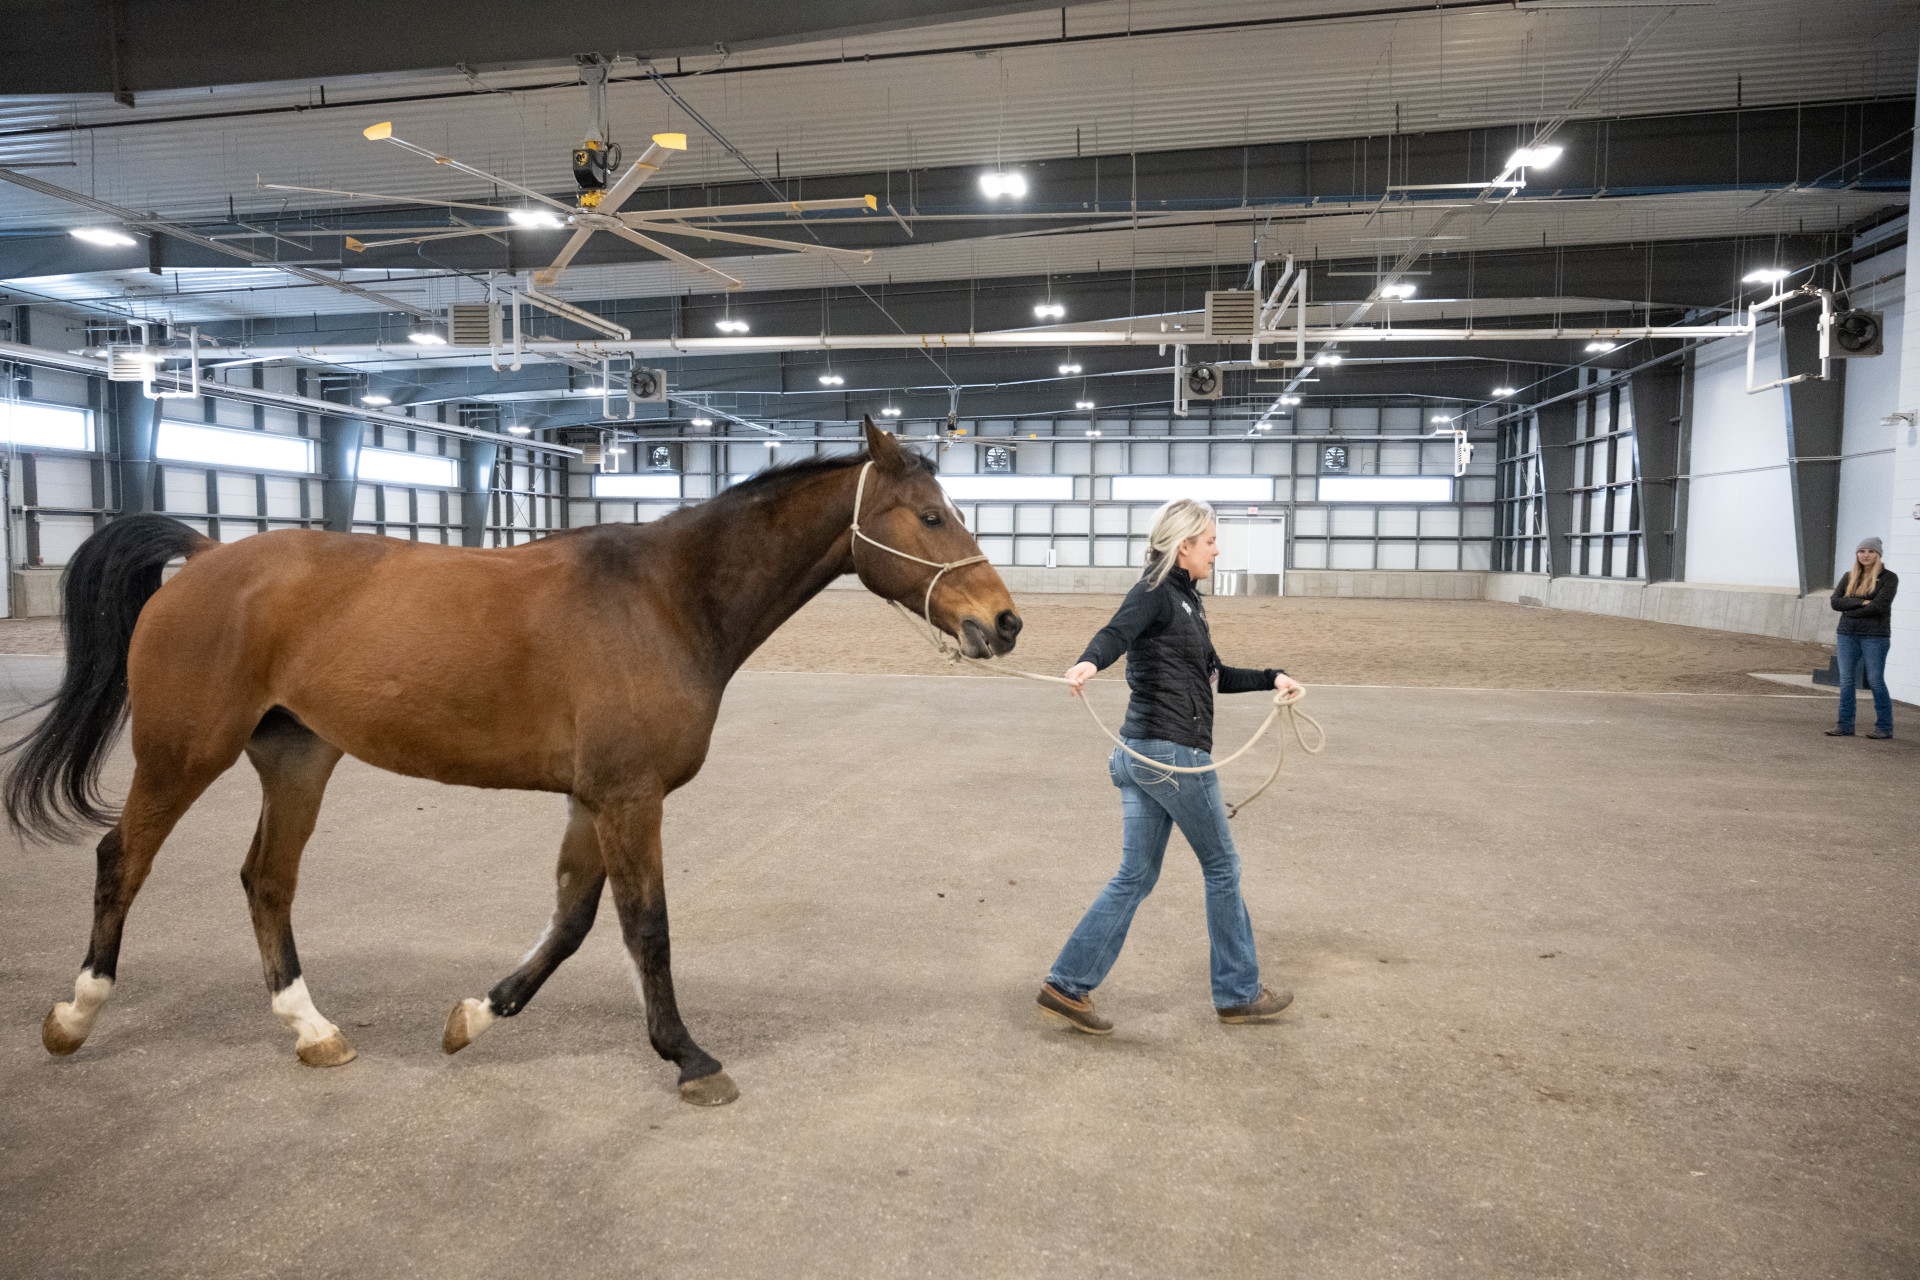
(52, 791)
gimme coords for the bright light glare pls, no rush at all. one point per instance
(1601, 346)
(105, 238)
(989, 488)
(889, 412)
(1204, 488)
(533, 218)
(731, 326)
(45, 426)
(1398, 290)
(1083, 404)
(1386, 488)
(234, 450)
(633, 484)
(397, 466)
(703, 422)
(1009, 182)
(1050, 311)
(1502, 392)
(1092, 431)
(1439, 417)
(1534, 157)
(831, 380)
(773, 444)
(427, 338)
(1289, 400)
(1069, 368)
(1326, 358)
(519, 431)
(1766, 275)
(375, 400)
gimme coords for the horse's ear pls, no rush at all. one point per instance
(885, 450)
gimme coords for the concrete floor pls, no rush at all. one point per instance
(1589, 985)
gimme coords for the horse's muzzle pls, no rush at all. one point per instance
(977, 641)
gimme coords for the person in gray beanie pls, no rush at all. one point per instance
(1864, 600)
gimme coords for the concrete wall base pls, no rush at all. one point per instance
(1760, 611)
(35, 593)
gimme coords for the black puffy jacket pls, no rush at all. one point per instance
(1171, 665)
(1869, 615)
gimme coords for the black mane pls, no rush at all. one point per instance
(778, 477)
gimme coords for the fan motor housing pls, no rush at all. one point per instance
(593, 162)
(1203, 381)
(1856, 334)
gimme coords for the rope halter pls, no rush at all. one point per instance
(940, 567)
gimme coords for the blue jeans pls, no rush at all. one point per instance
(1151, 803)
(1871, 652)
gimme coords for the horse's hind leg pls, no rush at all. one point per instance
(161, 792)
(577, 898)
(294, 766)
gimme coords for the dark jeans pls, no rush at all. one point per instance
(1151, 803)
(1869, 652)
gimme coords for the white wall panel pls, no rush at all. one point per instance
(1872, 393)
(1740, 506)
(283, 497)
(64, 481)
(185, 488)
(238, 496)
(61, 536)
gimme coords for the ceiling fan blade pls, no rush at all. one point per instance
(548, 275)
(641, 222)
(384, 133)
(368, 195)
(780, 206)
(674, 255)
(658, 152)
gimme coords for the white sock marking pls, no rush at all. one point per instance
(90, 994)
(294, 1007)
(479, 1016)
(639, 984)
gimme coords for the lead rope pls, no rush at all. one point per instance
(1283, 702)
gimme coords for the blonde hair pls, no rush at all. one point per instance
(1173, 524)
(1863, 581)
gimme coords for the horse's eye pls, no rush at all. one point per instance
(931, 519)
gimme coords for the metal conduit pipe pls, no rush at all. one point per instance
(96, 367)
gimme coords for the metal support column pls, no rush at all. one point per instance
(476, 484)
(1659, 398)
(1556, 475)
(133, 422)
(340, 462)
(1813, 433)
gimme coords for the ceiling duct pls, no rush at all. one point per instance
(1232, 313)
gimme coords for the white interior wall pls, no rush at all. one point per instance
(1903, 520)
(1872, 395)
(1740, 500)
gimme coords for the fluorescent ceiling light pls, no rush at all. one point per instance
(1092, 431)
(427, 338)
(1439, 417)
(1502, 392)
(889, 412)
(375, 400)
(1326, 358)
(1289, 400)
(831, 380)
(616, 453)
(652, 484)
(1386, 488)
(534, 218)
(105, 237)
(731, 326)
(1050, 311)
(1008, 182)
(1069, 368)
(398, 466)
(1398, 290)
(232, 450)
(27, 425)
(519, 431)
(989, 488)
(1601, 346)
(1534, 157)
(773, 444)
(1765, 275)
(1204, 488)
(703, 422)
(1083, 404)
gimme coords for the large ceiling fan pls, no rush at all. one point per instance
(598, 208)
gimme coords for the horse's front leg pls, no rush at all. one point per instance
(629, 829)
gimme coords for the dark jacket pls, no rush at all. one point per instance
(1171, 665)
(1867, 615)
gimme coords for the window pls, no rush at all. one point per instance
(396, 466)
(27, 425)
(1204, 488)
(233, 450)
(1386, 489)
(1008, 488)
(635, 485)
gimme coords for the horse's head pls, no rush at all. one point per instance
(904, 510)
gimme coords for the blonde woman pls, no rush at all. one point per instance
(1864, 600)
(1173, 672)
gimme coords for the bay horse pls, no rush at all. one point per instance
(590, 663)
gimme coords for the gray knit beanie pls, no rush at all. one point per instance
(1870, 544)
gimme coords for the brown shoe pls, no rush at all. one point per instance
(1077, 1014)
(1269, 1005)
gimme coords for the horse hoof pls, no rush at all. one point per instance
(715, 1090)
(53, 1033)
(469, 1018)
(334, 1051)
